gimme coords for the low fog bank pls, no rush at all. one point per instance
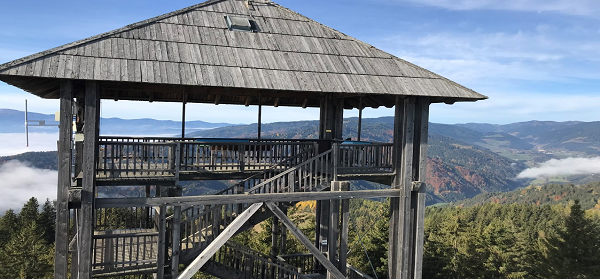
(15, 143)
(568, 166)
(19, 182)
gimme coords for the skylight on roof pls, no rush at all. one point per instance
(240, 23)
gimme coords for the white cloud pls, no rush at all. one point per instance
(19, 182)
(569, 166)
(578, 7)
(547, 53)
(15, 143)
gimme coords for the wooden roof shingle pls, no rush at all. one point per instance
(194, 47)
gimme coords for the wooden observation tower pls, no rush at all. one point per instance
(252, 53)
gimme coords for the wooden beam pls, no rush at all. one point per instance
(246, 198)
(334, 226)
(86, 222)
(401, 226)
(225, 235)
(217, 99)
(422, 127)
(344, 229)
(64, 180)
(305, 241)
(162, 243)
(175, 251)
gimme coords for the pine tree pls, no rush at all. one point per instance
(575, 251)
(29, 212)
(27, 255)
(47, 220)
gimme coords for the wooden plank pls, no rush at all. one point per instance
(422, 126)
(86, 223)
(334, 223)
(343, 256)
(246, 198)
(216, 244)
(64, 180)
(305, 241)
(175, 251)
(162, 244)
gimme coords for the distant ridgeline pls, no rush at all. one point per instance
(465, 159)
(588, 195)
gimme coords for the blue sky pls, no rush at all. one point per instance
(535, 59)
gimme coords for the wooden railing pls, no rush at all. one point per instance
(363, 158)
(124, 251)
(242, 156)
(254, 264)
(121, 159)
(124, 218)
(311, 175)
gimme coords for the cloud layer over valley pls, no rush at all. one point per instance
(19, 182)
(569, 166)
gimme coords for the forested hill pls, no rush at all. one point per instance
(456, 169)
(588, 194)
(41, 160)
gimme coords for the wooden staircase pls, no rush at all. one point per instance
(187, 231)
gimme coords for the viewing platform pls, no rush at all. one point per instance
(163, 161)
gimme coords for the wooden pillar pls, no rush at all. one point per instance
(420, 175)
(343, 257)
(175, 251)
(274, 236)
(162, 243)
(64, 180)
(407, 212)
(86, 221)
(334, 222)
(283, 232)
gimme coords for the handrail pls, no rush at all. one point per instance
(320, 156)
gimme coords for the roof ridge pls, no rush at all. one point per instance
(377, 49)
(104, 35)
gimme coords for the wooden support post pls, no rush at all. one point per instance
(86, 222)
(360, 110)
(422, 126)
(407, 211)
(225, 235)
(162, 244)
(259, 132)
(338, 119)
(175, 248)
(183, 115)
(64, 180)
(274, 236)
(334, 222)
(283, 243)
(345, 186)
(305, 241)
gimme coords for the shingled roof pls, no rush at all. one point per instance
(192, 50)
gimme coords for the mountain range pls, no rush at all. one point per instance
(12, 121)
(465, 159)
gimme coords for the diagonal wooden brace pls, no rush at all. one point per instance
(304, 240)
(216, 244)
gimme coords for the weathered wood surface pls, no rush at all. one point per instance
(64, 181)
(90, 151)
(245, 198)
(331, 268)
(193, 47)
(212, 248)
